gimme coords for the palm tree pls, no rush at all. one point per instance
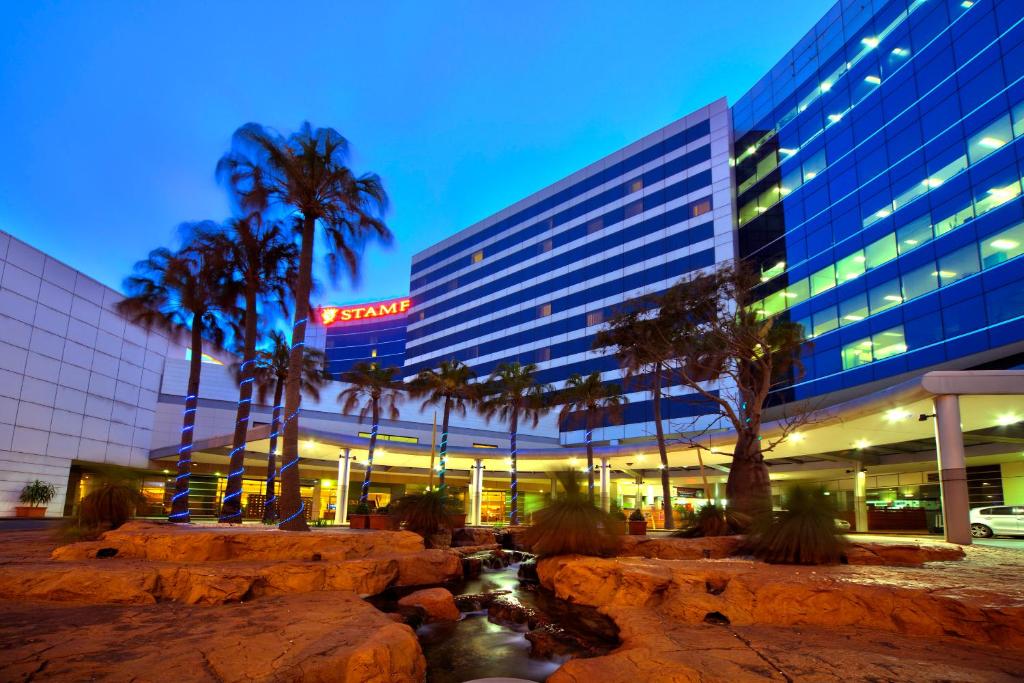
(270, 374)
(451, 384)
(594, 398)
(514, 392)
(307, 175)
(189, 289)
(263, 261)
(643, 347)
(372, 388)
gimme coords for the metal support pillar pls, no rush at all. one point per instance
(949, 440)
(341, 504)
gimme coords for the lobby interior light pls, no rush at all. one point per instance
(861, 443)
(1007, 419)
(797, 437)
(1004, 244)
(897, 414)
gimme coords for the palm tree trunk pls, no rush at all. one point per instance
(269, 503)
(292, 507)
(666, 488)
(365, 493)
(704, 476)
(514, 487)
(179, 503)
(442, 464)
(231, 509)
(590, 454)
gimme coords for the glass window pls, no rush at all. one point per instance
(850, 267)
(478, 256)
(790, 182)
(1004, 246)
(914, 233)
(890, 343)
(885, 296)
(595, 225)
(823, 280)
(880, 251)
(1018, 119)
(954, 221)
(544, 354)
(797, 292)
(774, 303)
(958, 265)
(990, 138)
(767, 165)
(805, 326)
(544, 310)
(701, 208)
(825, 321)
(635, 209)
(748, 212)
(854, 309)
(919, 281)
(546, 246)
(814, 165)
(635, 185)
(940, 175)
(856, 354)
(595, 318)
(996, 196)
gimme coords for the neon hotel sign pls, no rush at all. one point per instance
(330, 315)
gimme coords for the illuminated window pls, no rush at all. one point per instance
(958, 265)
(857, 353)
(544, 310)
(797, 292)
(635, 209)
(701, 208)
(880, 251)
(850, 267)
(543, 354)
(423, 315)
(990, 138)
(853, 309)
(484, 445)
(885, 296)
(595, 225)
(814, 165)
(1018, 120)
(914, 233)
(823, 280)
(1003, 246)
(478, 256)
(595, 318)
(890, 343)
(373, 353)
(545, 246)
(825, 321)
(635, 185)
(996, 196)
(920, 281)
(391, 437)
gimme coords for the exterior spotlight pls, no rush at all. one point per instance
(923, 417)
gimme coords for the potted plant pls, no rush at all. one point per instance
(382, 520)
(38, 495)
(359, 516)
(637, 523)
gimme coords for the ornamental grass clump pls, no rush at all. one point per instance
(804, 533)
(110, 505)
(572, 525)
(714, 520)
(427, 514)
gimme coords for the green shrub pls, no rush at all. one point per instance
(37, 493)
(112, 504)
(358, 509)
(572, 525)
(804, 533)
(424, 513)
(636, 515)
(711, 519)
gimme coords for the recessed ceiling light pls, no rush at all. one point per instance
(870, 42)
(873, 80)
(991, 142)
(1004, 244)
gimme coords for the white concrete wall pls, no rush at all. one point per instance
(77, 382)
(217, 386)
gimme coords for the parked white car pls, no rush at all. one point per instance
(1001, 520)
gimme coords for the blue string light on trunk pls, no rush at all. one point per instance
(514, 514)
(237, 513)
(364, 494)
(182, 481)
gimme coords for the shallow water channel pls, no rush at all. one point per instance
(475, 647)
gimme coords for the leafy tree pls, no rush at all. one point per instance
(452, 385)
(513, 392)
(177, 291)
(595, 399)
(262, 259)
(371, 389)
(270, 375)
(307, 176)
(715, 333)
(642, 344)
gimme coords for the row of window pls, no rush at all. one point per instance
(681, 188)
(607, 249)
(655, 151)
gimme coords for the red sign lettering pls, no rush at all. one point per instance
(330, 315)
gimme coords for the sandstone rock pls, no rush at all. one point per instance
(472, 536)
(364, 577)
(122, 585)
(313, 637)
(428, 567)
(902, 554)
(603, 582)
(183, 543)
(711, 547)
(438, 603)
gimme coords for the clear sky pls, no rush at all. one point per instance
(113, 114)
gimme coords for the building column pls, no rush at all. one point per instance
(317, 489)
(476, 489)
(606, 474)
(341, 507)
(949, 439)
(860, 500)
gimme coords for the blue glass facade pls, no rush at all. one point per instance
(379, 341)
(878, 189)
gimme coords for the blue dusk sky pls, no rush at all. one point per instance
(114, 114)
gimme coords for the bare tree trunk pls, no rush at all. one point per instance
(231, 509)
(590, 454)
(292, 508)
(514, 487)
(179, 502)
(442, 460)
(666, 487)
(269, 503)
(365, 493)
(749, 488)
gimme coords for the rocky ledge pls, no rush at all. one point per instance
(324, 637)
